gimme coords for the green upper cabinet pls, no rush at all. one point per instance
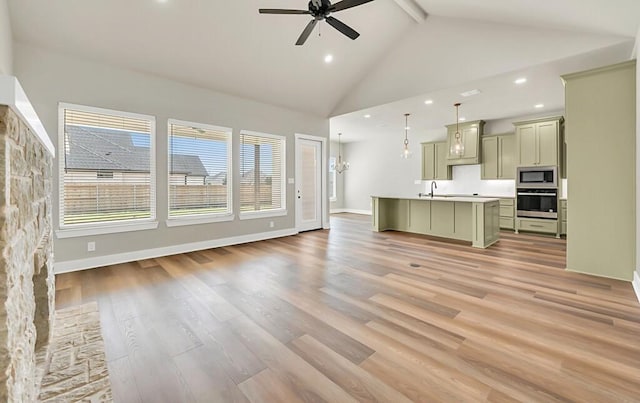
(539, 142)
(489, 158)
(507, 156)
(434, 161)
(498, 157)
(470, 133)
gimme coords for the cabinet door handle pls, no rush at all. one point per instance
(536, 225)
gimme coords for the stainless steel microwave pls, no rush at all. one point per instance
(537, 177)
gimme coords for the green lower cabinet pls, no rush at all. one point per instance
(537, 225)
(491, 221)
(419, 216)
(442, 218)
(398, 215)
(507, 213)
(477, 222)
(463, 220)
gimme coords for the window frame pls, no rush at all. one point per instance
(201, 218)
(333, 192)
(106, 227)
(282, 211)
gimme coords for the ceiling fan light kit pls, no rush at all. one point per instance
(321, 10)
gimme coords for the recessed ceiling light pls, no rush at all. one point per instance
(539, 106)
(328, 58)
(367, 116)
(428, 101)
(162, 1)
(521, 80)
(470, 93)
(462, 119)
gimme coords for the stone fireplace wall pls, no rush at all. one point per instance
(26, 260)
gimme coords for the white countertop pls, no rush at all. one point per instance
(467, 199)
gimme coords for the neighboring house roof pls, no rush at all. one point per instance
(99, 149)
(188, 165)
(249, 175)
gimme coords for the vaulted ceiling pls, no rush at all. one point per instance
(228, 47)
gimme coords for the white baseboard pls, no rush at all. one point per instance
(350, 210)
(636, 284)
(98, 261)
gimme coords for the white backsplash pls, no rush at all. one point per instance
(466, 181)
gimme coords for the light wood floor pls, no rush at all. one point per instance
(353, 315)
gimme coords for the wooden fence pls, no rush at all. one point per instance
(105, 197)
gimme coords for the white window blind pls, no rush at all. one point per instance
(106, 166)
(262, 172)
(199, 169)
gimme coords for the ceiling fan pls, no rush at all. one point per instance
(320, 10)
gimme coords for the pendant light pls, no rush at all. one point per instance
(340, 166)
(405, 151)
(457, 148)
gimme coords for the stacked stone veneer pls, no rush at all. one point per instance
(26, 265)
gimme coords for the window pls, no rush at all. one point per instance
(262, 174)
(332, 179)
(105, 174)
(199, 170)
(106, 167)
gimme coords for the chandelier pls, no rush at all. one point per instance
(340, 166)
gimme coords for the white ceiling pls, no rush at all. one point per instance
(223, 45)
(228, 47)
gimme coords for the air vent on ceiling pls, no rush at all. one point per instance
(470, 93)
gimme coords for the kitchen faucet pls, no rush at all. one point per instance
(433, 184)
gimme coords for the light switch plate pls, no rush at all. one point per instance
(417, 181)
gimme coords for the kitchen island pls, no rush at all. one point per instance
(473, 219)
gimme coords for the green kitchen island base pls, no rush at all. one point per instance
(473, 219)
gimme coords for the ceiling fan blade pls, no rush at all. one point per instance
(307, 31)
(281, 11)
(342, 27)
(344, 4)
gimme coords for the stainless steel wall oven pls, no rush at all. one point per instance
(537, 203)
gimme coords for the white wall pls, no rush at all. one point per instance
(50, 78)
(377, 169)
(6, 40)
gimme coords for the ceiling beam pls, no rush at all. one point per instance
(413, 9)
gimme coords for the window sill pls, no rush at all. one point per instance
(105, 229)
(195, 220)
(250, 215)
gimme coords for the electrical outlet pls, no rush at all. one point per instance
(91, 246)
(271, 224)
